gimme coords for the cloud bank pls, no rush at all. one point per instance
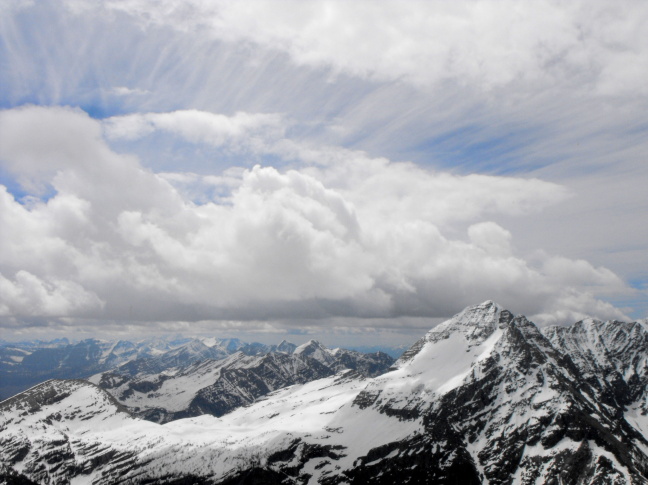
(337, 234)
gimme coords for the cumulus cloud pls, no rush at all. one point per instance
(491, 238)
(28, 295)
(341, 234)
(407, 190)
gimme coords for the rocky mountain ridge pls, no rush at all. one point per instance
(217, 387)
(25, 364)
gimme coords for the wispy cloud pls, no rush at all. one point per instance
(485, 43)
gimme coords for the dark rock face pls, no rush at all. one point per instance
(611, 357)
(436, 457)
(369, 365)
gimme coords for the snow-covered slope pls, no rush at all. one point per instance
(61, 429)
(483, 398)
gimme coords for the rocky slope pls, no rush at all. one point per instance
(612, 358)
(485, 397)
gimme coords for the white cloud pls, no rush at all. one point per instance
(491, 238)
(573, 306)
(486, 44)
(29, 295)
(198, 126)
(579, 272)
(126, 91)
(341, 234)
(406, 189)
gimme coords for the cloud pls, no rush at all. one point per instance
(340, 234)
(486, 44)
(28, 295)
(407, 190)
(198, 126)
(574, 305)
(491, 238)
(126, 91)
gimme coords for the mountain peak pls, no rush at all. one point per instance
(476, 323)
(315, 350)
(311, 344)
(286, 347)
(477, 313)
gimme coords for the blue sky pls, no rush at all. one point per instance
(354, 171)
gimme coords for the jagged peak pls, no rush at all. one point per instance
(310, 345)
(287, 347)
(611, 337)
(315, 350)
(194, 345)
(477, 322)
(593, 325)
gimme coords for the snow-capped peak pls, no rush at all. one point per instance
(476, 324)
(286, 347)
(315, 350)
(309, 346)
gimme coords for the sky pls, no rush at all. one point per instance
(354, 172)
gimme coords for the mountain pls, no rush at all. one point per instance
(612, 358)
(485, 397)
(25, 364)
(394, 351)
(217, 387)
(54, 413)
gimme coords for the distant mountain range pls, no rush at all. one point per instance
(486, 397)
(218, 386)
(25, 364)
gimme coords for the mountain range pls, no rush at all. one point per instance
(25, 364)
(218, 386)
(485, 397)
